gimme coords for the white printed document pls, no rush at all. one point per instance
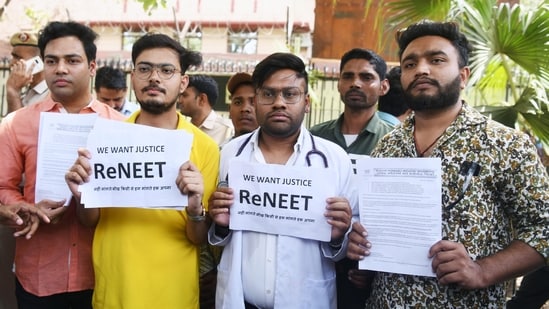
(59, 137)
(135, 166)
(400, 207)
(281, 200)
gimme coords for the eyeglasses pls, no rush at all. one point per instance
(165, 71)
(290, 95)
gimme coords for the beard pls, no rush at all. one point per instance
(446, 96)
(155, 107)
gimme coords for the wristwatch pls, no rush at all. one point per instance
(200, 217)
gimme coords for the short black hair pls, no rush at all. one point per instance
(158, 40)
(110, 78)
(447, 30)
(205, 84)
(276, 62)
(393, 102)
(57, 29)
(379, 64)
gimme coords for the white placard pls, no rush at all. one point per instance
(282, 200)
(135, 165)
(400, 207)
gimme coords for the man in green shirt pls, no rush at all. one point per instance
(362, 81)
(357, 130)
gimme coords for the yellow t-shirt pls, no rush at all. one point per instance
(142, 257)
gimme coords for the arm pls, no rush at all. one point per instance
(19, 77)
(79, 174)
(190, 182)
(452, 264)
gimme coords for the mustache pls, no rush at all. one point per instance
(152, 87)
(423, 80)
(277, 113)
(354, 92)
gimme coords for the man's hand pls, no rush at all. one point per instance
(190, 182)
(20, 76)
(338, 214)
(453, 265)
(359, 246)
(25, 218)
(54, 210)
(220, 202)
(361, 279)
(79, 173)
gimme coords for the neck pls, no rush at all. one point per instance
(429, 126)
(355, 120)
(200, 116)
(168, 120)
(72, 105)
(277, 150)
(429, 120)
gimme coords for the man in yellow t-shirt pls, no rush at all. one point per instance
(147, 258)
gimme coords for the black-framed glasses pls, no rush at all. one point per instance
(290, 95)
(165, 71)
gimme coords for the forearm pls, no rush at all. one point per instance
(13, 97)
(197, 231)
(514, 261)
(218, 236)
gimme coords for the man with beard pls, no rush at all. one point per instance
(494, 187)
(362, 81)
(148, 258)
(261, 270)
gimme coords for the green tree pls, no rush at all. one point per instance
(510, 67)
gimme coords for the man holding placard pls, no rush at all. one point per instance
(494, 197)
(148, 258)
(276, 216)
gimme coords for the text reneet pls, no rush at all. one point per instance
(129, 170)
(275, 200)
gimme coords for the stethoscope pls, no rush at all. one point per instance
(311, 152)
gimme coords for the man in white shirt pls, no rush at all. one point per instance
(197, 102)
(260, 270)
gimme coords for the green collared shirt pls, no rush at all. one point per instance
(366, 140)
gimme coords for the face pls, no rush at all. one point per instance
(280, 119)
(113, 97)
(23, 52)
(431, 77)
(66, 69)
(242, 110)
(359, 85)
(155, 94)
(189, 102)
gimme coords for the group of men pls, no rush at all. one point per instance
(494, 230)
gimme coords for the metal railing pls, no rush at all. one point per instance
(326, 103)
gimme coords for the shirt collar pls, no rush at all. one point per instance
(41, 87)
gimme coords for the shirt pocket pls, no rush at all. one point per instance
(318, 294)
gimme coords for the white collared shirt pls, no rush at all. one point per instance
(260, 273)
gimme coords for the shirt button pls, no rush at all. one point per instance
(268, 291)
